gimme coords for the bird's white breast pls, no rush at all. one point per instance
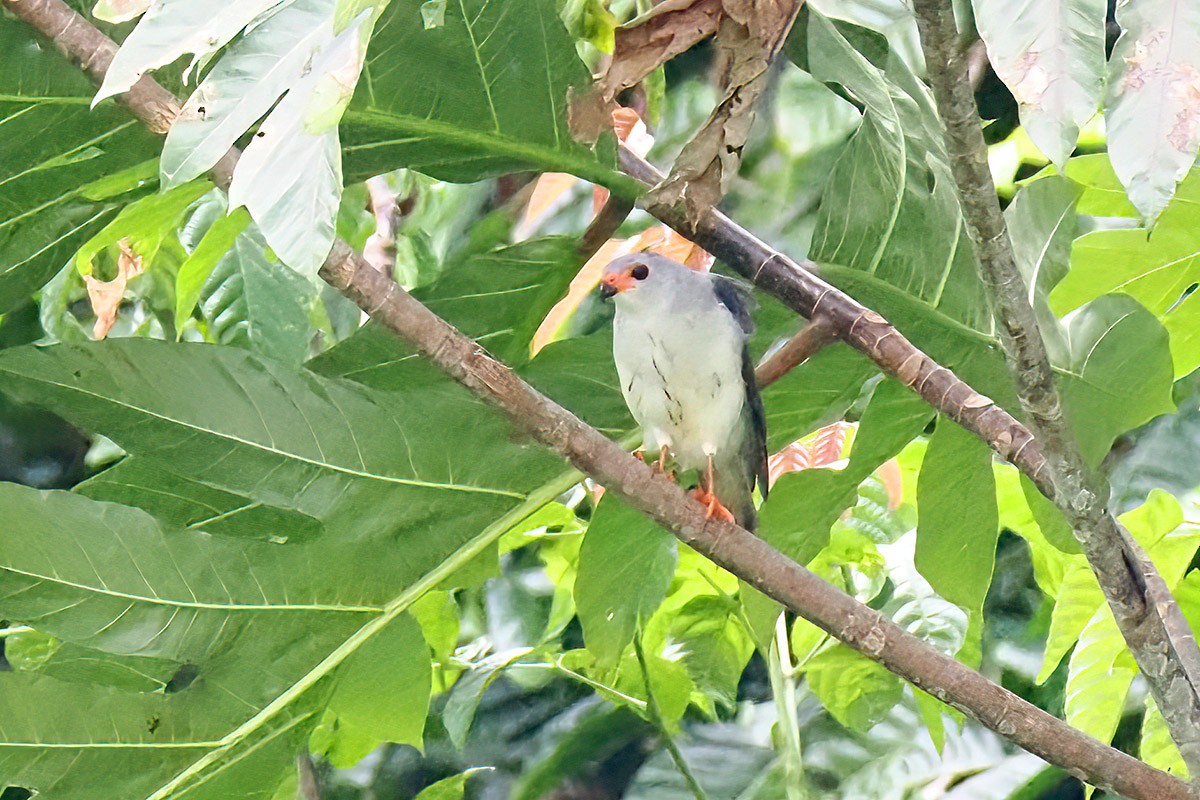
(681, 375)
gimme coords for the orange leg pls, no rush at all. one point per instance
(706, 496)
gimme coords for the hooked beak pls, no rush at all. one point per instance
(613, 284)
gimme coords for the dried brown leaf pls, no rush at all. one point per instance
(654, 38)
(748, 39)
(105, 296)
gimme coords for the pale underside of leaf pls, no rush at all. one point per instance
(1051, 57)
(249, 78)
(290, 176)
(172, 28)
(1153, 108)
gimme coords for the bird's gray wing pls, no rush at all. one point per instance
(755, 445)
(739, 470)
(737, 297)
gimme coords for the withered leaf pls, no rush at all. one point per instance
(105, 296)
(640, 46)
(749, 37)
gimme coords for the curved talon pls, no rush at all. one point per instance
(712, 506)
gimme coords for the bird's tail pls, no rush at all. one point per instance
(735, 490)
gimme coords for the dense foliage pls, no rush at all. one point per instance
(239, 524)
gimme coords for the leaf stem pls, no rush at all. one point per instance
(783, 686)
(656, 719)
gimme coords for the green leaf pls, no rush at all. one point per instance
(200, 263)
(1119, 375)
(69, 565)
(715, 646)
(1079, 597)
(1151, 136)
(804, 505)
(367, 467)
(451, 788)
(460, 709)
(1041, 222)
(34, 651)
(185, 503)
(52, 149)
(958, 522)
(252, 301)
(857, 691)
(383, 691)
(504, 110)
(1098, 678)
(498, 297)
(146, 223)
(906, 229)
(1158, 269)
(1051, 57)
(625, 566)
(1157, 748)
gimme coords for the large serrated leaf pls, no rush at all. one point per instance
(370, 466)
(906, 228)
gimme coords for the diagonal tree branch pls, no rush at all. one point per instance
(1147, 614)
(728, 545)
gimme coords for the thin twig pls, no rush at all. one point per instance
(1147, 614)
(602, 227)
(807, 342)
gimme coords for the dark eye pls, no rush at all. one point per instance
(640, 272)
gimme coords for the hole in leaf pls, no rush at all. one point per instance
(16, 793)
(182, 679)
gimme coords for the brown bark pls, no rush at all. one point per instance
(807, 342)
(732, 547)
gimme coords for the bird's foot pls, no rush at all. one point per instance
(658, 466)
(712, 506)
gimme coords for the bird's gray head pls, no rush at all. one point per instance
(645, 276)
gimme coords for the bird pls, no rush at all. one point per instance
(680, 344)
